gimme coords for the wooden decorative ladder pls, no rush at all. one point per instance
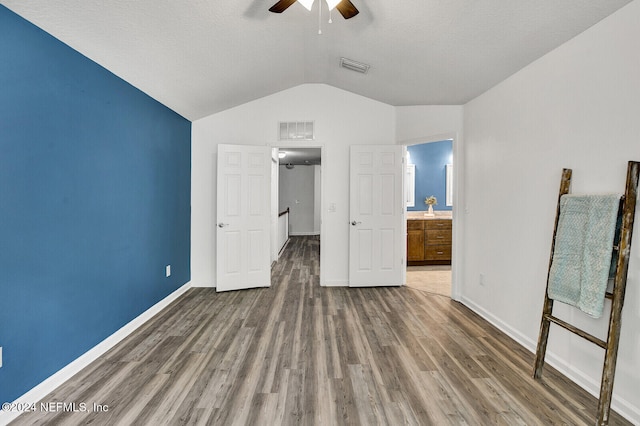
(627, 210)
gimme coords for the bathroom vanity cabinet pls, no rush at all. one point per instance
(429, 241)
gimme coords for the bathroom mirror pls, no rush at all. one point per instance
(410, 185)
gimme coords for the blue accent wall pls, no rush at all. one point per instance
(430, 160)
(94, 202)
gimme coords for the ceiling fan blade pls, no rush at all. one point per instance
(347, 9)
(281, 6)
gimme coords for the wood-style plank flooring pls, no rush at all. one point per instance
(298, 353)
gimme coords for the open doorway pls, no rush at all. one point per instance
(297, 185)
(430, 216)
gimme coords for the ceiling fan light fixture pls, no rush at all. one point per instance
(356, 66)
(332, 3)
(306, 3)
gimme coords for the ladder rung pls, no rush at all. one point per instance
(576, 330)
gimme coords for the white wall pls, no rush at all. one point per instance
(428, 123)
(577, 107)
(341, 119)
(297, 192)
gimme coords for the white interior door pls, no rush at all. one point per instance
(243, 216)
(376, 208)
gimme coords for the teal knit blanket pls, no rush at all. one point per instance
(583, 249)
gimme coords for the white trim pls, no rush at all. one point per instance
(203, 285)
(335, 283)
(281, 250)
(498, 323)
(301, 234)
(58, 378)
(620, 405)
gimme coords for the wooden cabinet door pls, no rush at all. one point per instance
(415, 240)
(415, 244)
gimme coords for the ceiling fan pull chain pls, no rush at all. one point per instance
(320, 17)
(330, 20)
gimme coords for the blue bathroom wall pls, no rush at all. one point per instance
(94, 203)
(430, 160)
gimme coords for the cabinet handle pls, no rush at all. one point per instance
(440, 252)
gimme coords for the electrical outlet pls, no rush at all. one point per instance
(481, 279)
(167, 270)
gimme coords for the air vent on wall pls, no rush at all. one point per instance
(296, 130)
(352, 65)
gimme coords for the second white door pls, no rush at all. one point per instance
(376, 208)
(243, 217)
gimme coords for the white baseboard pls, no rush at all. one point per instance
(302, 234)
(208, 284)
(620, 405)
(50, 384)
(335, 283)
(504, 327)
(283, 247)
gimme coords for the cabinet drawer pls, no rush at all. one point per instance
(415, 224)
(439, 236)
(442, 252)
(434, 224)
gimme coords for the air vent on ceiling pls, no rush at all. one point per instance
(352, 65)
(296, 130)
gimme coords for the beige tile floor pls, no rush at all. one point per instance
(431, 279)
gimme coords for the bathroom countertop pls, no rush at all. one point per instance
(444, 214)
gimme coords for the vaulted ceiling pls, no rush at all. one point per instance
(200, 57)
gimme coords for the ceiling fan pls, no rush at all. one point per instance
(345, 7)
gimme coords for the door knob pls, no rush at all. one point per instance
(354, 223)
(222, 225)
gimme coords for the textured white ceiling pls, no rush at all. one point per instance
(203, 56)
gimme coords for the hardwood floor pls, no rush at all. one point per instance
(299, 353)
